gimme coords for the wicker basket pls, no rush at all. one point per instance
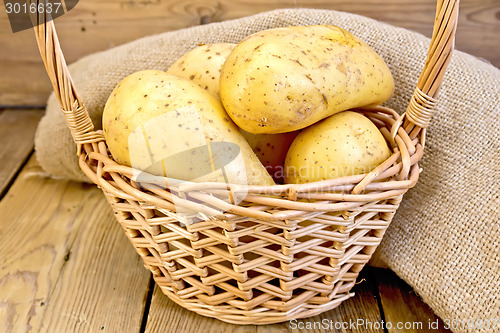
(273, 257)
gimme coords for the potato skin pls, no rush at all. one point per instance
(285, 79)
(145, 99)
(344, 144)
(202, 65)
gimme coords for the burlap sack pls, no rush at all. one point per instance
(445, 239)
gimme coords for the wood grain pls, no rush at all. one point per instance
(17, 132)
(166, 316)
(96, 25)
(400, 304)
(65, 265)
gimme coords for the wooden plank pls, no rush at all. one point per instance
(65, 264)
(166, 316)
(17, 132)
(96, 25)
(400, 304)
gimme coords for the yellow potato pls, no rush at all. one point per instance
(202, 65)
(271, 150)
(285, 79)
(168, 126)
(344, 144)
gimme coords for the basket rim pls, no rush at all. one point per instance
(302, 187)
(390, 179)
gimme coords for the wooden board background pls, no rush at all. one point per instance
(96, 25)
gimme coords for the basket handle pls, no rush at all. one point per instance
(75, 113)
(423, 102)
(416, 117)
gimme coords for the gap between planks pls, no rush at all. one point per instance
(17, 132)
(65, 263)
(60, 247)
(400, 304)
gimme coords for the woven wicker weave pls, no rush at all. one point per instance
(273, 257)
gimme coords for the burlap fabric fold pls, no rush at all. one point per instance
(445, 238)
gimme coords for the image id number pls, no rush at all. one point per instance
(471, 324)
(17, 8)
